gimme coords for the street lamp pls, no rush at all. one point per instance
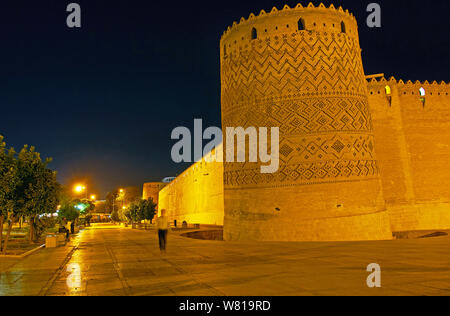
(80, 188)
(93, 197)
(122, 197)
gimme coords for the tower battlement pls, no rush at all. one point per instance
(288, 21)
(424, 94)
(407, 84)
(299, 8)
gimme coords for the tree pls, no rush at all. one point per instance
(85, 208)
(149, 209)
(28, 188)
(38, 192)
(8, 182)
(119, 201)
(111, 204)
(133, 213)
(90, 207)
(119, 198)
(115, 216)
(70, 210)
(142, 210)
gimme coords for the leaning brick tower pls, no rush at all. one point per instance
(300, 69)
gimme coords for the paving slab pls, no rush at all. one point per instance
(115, 261)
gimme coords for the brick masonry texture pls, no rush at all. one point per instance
(358, 159)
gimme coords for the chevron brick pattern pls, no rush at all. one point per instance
(312, 86)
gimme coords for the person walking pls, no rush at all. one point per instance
(63, 228)
(162, 223)
(68, 229)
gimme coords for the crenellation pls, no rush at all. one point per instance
(334, 16)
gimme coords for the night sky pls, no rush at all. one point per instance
(102, 100)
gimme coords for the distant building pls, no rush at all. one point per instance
(168, 180)
(151, 190)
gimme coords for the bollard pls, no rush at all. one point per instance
(51, 241)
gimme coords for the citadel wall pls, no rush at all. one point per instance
(196, 196)
(330, 185)
(300, 69)
(412, 133)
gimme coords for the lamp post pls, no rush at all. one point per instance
(122, 196)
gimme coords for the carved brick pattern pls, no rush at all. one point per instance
(331, 171)
(297, 65)
(306, 115)
(312, 86)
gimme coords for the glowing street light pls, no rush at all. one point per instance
(79, 188)
(93, 197)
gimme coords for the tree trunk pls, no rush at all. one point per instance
(31, 230)
(2, 220)
(10, 225)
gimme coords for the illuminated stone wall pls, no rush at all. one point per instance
(331, 185)
(302, 72)
(151, 190)
(196, 196)
(412, 133)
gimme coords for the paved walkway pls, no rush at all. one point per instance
(120, 261)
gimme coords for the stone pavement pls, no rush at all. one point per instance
(119, 261)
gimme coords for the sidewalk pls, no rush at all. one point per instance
(120, 261)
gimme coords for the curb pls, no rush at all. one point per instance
(26, 254)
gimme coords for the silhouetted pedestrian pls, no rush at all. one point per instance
(162, 224)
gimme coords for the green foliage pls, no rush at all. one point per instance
(115, 216)
(43, 224)
(111, 204)
(124, 215)
(38, 190)
(28, 187)
(8, 178)
(84, 207)
(116, 200)
(149, 209)
(142, 210)
(69, 210)
(90, 207)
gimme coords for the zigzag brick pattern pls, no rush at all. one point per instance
(312, 86)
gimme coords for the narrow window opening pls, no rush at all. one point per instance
(301, 25)
(343, 30)
(422, 92)
(388, 90)
(254, 34)
(422, 95)
(389, 95)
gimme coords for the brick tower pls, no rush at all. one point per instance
(300, 69)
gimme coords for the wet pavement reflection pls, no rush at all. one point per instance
(112, 260)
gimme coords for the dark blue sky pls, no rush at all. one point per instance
(102, 100)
